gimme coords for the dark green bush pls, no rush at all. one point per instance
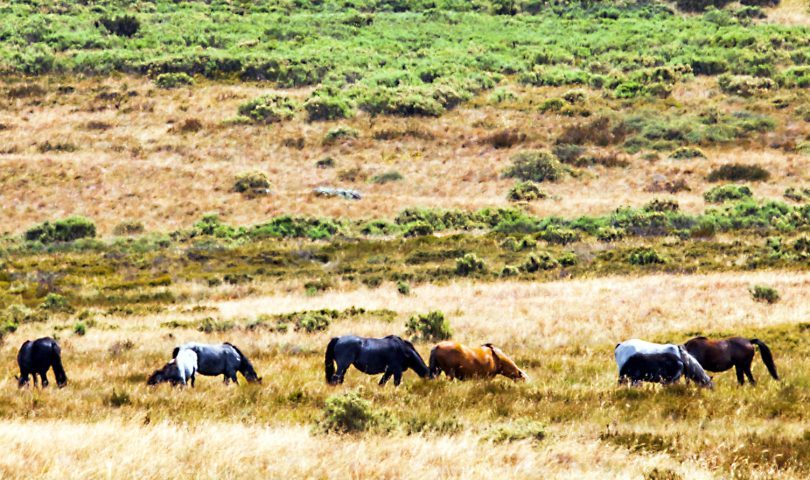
(417, 229)
(173, 80)
(121, 25)
(252, 184)
(797, 194)
(53, 302)
(539, 261)
(403, 288)
(645, 256)
(526, 192)
(744, 85)
(347, 413)
(662, 205)
(339, 134)
(321, 107)
(430, 327)
(559, 235)
(65, 230)
(763, 293)
(700, 5)
(536, 166)
(724, 193)
(736, 172)
(270, 108)
(469, 264)
(687, 153)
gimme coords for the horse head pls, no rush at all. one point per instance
(413, 360)
(505, 366)
(693, 370)
(21, 381)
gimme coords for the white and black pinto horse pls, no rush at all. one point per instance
(220, 359)
(641, 361)
(179, 371)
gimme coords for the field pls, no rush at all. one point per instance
(551, 177)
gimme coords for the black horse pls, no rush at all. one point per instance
(390, 356)
(35, 358)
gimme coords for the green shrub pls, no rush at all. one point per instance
(312, 322)
(687, 153)
(575, 96)
(64, 230)
(568, 259)
(129, 227)
(516, 431)
(270, 108)
(212, 325)
(539, 261)
(173, 80)
(53, 302)
(610, 234)
(662, 205)
(645, 256)
(700, 5)
(568, 153)
(417, 229)
(118, 399)
(6, 328)
(797, 194)
(510, 271)
(430, 327)
(724, 193)
(121, 25)
(736, 172)
(536, 166)
(252, 183)
(469, 264)
(559, 235)
(552, 105)
(80, 328)
(339, 134)
(347, 413)
(526, 192)
(327, 107)
(403, 288)
(763, 293)
(392, 176)
(744, 85)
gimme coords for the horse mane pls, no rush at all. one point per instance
(175, 352)
(495, 356)
(244, 363)
(692, 369)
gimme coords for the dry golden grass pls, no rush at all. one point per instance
(562, 333)
(131, 162)
(790, 12)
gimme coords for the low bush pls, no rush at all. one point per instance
(724, 193)
(539, 261)
(430, 327)
(736, 172)
(645, 256)
(505, 138)
(662, 205)
(797, 194)
(403, 288)
(602, 131)
(559, 235)
(763, 293)
(520, 430)
(53, 302)
(687, 153)
(340, 134)
(469, 264)
(252, 184)
(392, 176)
(64, 230)
(270, 108)
(417, 229)
(552, 105)
(700, 5)
(526, 192)
(121, 25)
(173, 80)
(744, 85)
(129, 227)
(347, 413)
(320, 107)
(80, 329)
(536, 166)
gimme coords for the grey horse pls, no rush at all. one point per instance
(220, 359)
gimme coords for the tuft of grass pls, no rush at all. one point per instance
(764, 293)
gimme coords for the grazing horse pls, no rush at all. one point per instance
(222, 359)
(178, 371)
(461, 362)
(390, 355)
(737, 352)
(36, 358)
(641, 361)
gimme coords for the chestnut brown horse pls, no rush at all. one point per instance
(737, 352)
(462, 362)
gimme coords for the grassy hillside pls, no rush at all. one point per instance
(552, 177)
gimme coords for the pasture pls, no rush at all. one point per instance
(550, 177)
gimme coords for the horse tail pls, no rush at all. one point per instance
(329, 359)
(244, 365)
(767, 357)
(56, 363)
(433, 366)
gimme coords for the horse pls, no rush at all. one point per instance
(390, 355)
(640, 361)
(36, 358)
(178, 371)
(737, 352)
(462, 362)
(222, 359)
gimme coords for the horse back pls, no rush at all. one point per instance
(464, 360)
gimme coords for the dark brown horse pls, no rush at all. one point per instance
(737, 352)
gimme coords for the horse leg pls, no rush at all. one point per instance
(192, 380)
(341, 372)
(34, 376)
(397, 378)
(740, 379)
(747, 370)
(385, 377)
(44, 375)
